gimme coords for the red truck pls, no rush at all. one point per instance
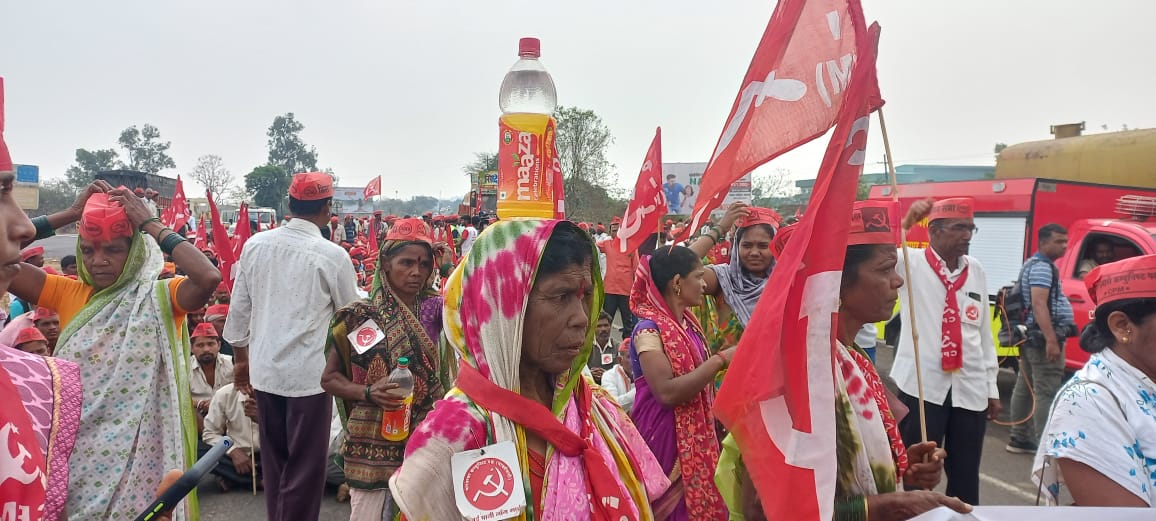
(1009, 214)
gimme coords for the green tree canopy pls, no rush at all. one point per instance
(286, 149)
(88, 163)
(582, 143)
(269, 186)
(145, 150)
(483, 162)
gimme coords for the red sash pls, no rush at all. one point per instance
(952, 349)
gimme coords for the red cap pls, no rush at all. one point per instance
(954, 208)
(584, 226)
(377, 212)
(600, 228)
(103, 220)
(624, 347)
(1131, 278)
(29, 334)
(204, 329)
(42, 313)
(30, 252)
(616, 220)
(333, 219)
(357, 252)
(414, 230)
(138, 191)
(311, 186)
(759, 215)
(779, 243)
(874, 222)
(530, 47)
(217, 310)
(669, 222)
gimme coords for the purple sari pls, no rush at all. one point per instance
(655, 422)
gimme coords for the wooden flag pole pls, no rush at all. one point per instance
(253, 459)
(906, 279)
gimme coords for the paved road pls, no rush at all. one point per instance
(58, 246)
(1003, 480)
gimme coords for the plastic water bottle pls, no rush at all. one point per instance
(528, 88)
(527, 158)
(395, 424)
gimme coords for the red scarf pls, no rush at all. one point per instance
(952, 349)
(879, 393)
(533, 416)
(22, 465)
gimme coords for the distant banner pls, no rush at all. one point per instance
(488, 182)
(682, 189)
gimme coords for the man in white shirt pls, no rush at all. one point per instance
(209, 370)
(469, 235)
(619, 380)
(289, 283)
(604, 351)
(957, 352)
(233, 414)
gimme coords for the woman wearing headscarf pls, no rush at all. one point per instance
(409, 314)
(520, 311)
(125, 330)
(734, 288)
(1100, 440)
(674, 389)
(872, 464)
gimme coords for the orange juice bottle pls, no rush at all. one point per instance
(395, 424)
(527, 160)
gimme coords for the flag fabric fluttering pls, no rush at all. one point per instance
(202, 241)
(177, 213)
(243, 231)
(221, 242)
(778, 398)
(790, 95)
(373, 188)
(648, 204)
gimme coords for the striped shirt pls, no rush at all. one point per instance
(1040, 272)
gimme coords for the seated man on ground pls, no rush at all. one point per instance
(210, 370)
(232, 413)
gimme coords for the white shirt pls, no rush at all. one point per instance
(973, 384)
(199, 386)
(288, 284)
(620, 387)
(227, 418)
(468, 242)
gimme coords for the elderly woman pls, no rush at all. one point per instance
(734, 288)
(873, 464)
(674, 391)
(126, 331)
(1100, 440)
(409, 314)
(520, 310)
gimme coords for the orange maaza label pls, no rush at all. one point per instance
(395, 424)
(525, 165)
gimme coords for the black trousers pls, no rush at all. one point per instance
(959, 432)
(620, 304)
(294, 445)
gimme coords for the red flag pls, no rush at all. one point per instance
(790, 94)
(778, 399)
(5, 158)
(559, 189)
(373, 188)
(272, 222)
(243, 231)
(23, 486)
(646, 208)
(225, 258)
(177, 213)
(202, 235)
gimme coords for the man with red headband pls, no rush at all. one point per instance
(277, 325)
(959, 364)
(209, 370)
(48, 322)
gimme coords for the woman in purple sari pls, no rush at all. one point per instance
(674, 390)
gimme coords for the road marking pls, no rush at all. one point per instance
(1014, 489)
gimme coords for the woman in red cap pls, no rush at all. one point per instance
(1100, 440)
(408, 313)
(137, 417)
(31, 340)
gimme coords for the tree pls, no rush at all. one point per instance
(767, 190)
(483, 162)
(146, 152)
(582, 142)
(286, 150)
(598, 205)
(56, 195)
(88, 163)
(211, 173)
(269, 186)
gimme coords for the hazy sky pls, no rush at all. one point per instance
(409, 89)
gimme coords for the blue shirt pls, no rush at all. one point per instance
(1038, 273)
(673, 195)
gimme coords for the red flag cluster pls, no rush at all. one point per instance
(225, 255)
(790, 95)
(778, 399)
(177, 213)
(644, 213)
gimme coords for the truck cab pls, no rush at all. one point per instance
(1126, 238)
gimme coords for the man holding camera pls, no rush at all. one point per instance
(1050, 322)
